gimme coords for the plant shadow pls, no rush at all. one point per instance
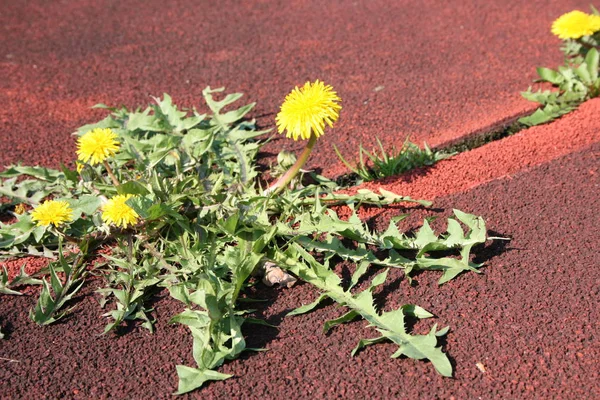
(486, 252)
(72, 306)
(155, 296)
(6, 328)
(257, 336)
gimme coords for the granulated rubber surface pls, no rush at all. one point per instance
(435, 71)
(531, 318)
(499, 159)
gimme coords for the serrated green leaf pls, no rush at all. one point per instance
(379, 279)
(550, 75)
(541, 116)
(477, 230)
(359, 272)
(424, 347)
(140, 205)
(425, 235)
(583, 73)
(362, 343)
(442, 332)
(363, 302)
(133, 188)
(591, 62)
(235, 115)
(143, 121)
(216, 106)
(416, 311)
(107, 122)
(193, 378)
(349, 316)
(41, 173)
(308, 307)
(5, 285)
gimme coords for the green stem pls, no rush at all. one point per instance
(294, 169)
(110, 173)
(70, 239)
(62, 234)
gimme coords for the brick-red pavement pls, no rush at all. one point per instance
(446, 71)
(435, 71)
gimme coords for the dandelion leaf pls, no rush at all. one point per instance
(193, 378)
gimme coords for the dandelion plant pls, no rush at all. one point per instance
(578, 79)
(178, 198)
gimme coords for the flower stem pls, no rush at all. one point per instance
(61, 234)
(110, 173)
(294, 169)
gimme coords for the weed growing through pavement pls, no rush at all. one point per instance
(577, 80)
(373, 165)
(177, 197)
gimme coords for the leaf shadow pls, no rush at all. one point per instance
(74, 302)
(257, 336)
(381, 297)
(408, 176)
(484, 252)
(443, 343)
(6, 327)
(155, 295)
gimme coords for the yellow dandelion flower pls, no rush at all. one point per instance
(55, 212)
(97, 145)
(307, 110)
(115, 211)
(20, 209)
(575, 24)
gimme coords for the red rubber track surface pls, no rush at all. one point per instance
(435, 71)
(531, 318)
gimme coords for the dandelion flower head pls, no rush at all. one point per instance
(97, 145)
(54, 212)
(575, 24)
(306, 110)
(115, 211)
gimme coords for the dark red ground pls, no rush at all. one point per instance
(443, 69)
(531, 319)
(448, 70)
